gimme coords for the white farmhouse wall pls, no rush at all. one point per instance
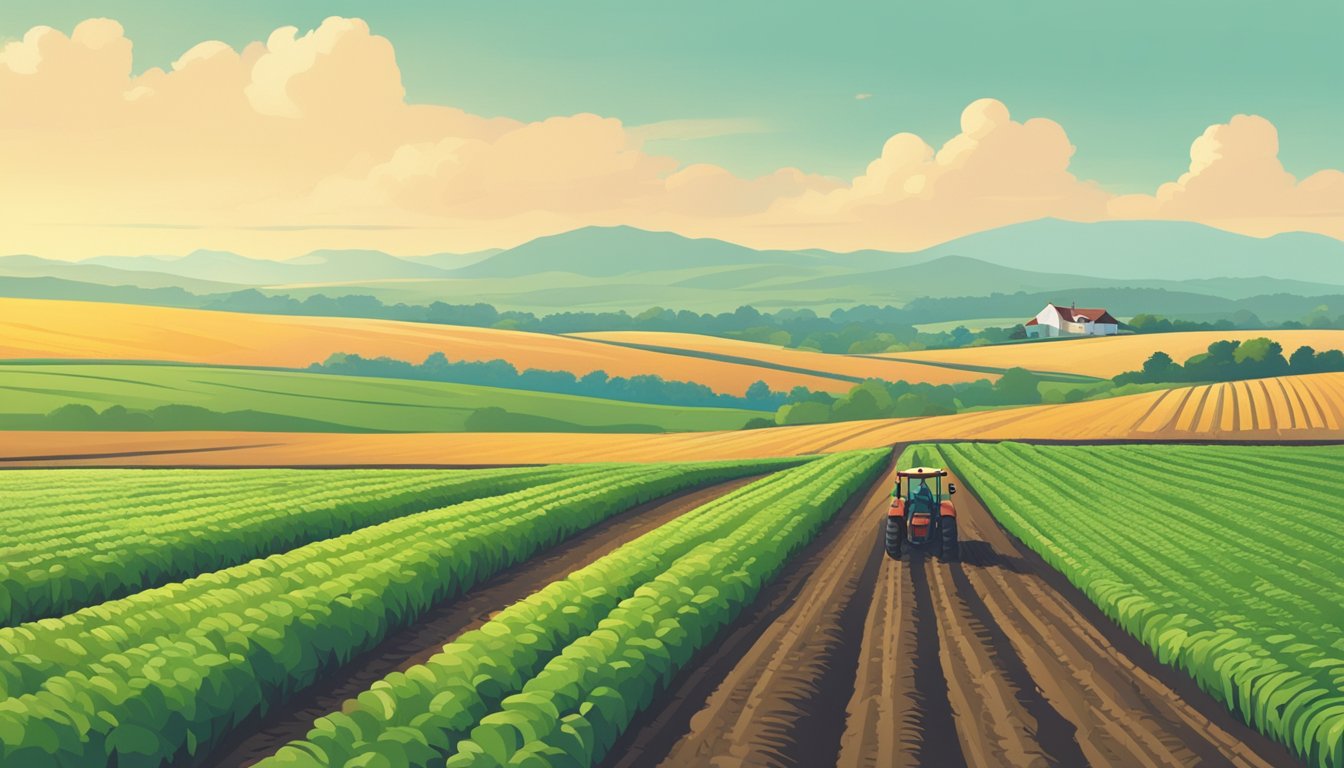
(1049, 325)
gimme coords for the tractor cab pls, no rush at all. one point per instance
(923, 488)
(922, 513)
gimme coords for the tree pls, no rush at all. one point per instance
(1160, 367)
(857, 405)
(758, 391)
(910, 404)
(1303, 360)
(803, 413)
(1259, 357)
(73, 416)
(1018, 385)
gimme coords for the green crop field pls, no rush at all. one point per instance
(163, 674)
(325, 402)
(556, 678)
(1225, 561)
(74, 537)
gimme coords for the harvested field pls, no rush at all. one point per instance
(37, 329)
(1291, 408)
(857, 366)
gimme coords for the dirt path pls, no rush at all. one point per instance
(257, 738)
(851, 659)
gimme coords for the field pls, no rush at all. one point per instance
(676, 614)
(106, 684)
(855, 366)
(43, 330)
(1106, 357)
(1292, 408)
(1238, 589)
(331, 403)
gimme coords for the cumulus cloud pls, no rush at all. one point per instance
(1236, 181)
(996, 171)
(305, 140)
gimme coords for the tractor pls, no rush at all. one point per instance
(922, 516)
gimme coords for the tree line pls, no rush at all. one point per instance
(879, 399)
(647, 388)
(1231, 360)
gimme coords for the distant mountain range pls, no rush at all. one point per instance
(629, 268)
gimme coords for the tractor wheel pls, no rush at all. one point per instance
(894, 535)
(951, 548)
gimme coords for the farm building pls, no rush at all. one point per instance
(1055, 321)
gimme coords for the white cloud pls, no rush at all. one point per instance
(1236, 181)
(233, 148)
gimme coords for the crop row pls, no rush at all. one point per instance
(1223, 560)
(75, 556)
(554, 679)
(162, 674)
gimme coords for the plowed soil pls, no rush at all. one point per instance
(853, 659)
(259, 738)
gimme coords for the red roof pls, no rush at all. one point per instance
(1079, 314)
(1032, 321)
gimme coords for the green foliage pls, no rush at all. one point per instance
(1231, 577)
(161, 675)
(555, 679)
(643, 388)
(1018, 385)
(877, 399)
(1235, 360)
(106, 534)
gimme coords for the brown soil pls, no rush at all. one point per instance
(852, 659)
(260, 737)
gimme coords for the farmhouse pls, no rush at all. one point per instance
(1055, 321)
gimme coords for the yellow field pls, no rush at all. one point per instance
(863, 367)
(1105, 357)
(1283, 409)
(32, 328)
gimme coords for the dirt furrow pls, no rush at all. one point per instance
(794, 661)
(882, 724)
(257, 738)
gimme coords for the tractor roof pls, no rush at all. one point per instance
(923, 472)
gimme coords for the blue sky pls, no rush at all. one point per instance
(1132, 83)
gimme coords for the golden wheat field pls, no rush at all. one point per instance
(1281, 409)
(42, 329)
(1108, 356)
(859, 366)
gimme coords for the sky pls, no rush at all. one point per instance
(454, 126)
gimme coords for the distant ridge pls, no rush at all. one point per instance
(630, 268)
(1170, 250)
(611, 251)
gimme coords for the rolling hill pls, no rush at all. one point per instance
(329, 403)
(34, 329)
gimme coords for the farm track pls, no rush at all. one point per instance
(851, 659)
(258, 738)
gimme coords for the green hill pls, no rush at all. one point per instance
(261, 399)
